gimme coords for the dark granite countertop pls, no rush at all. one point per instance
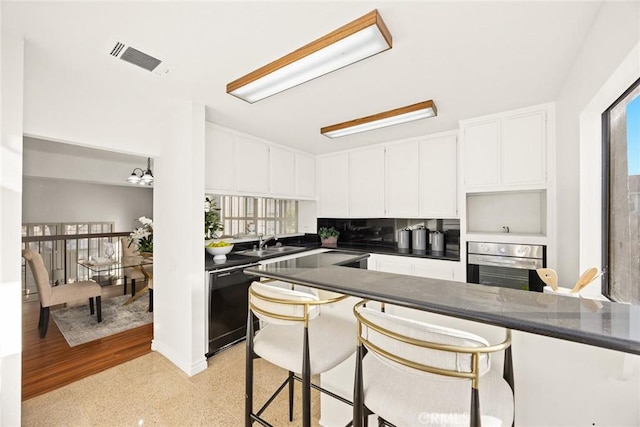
(447, 255)
(598, 323)
(234, 260)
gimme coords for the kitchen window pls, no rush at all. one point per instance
(621, 197)
(256, 215)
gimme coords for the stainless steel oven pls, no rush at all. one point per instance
(506, 265)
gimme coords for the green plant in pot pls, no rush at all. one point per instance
(212, 223)
(328, 236)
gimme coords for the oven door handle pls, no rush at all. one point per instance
(502, 261)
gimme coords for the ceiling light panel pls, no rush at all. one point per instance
(421, 110)
(360, 39)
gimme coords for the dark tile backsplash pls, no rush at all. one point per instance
(384, 231)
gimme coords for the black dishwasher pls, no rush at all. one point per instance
(227, 306)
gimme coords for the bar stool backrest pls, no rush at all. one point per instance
(282, 306)
(409, 345)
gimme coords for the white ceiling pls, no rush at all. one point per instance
(471, 58)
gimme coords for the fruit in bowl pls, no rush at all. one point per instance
(219, 250)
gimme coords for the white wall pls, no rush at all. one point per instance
(613, 34)
(179, 288)
(63, 106)
(54, 201)
(11, 83)
(44, 164)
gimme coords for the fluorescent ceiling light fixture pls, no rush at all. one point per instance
(360, 39)
(421, 110)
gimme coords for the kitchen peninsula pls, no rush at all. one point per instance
(603, 324)
(549, 355)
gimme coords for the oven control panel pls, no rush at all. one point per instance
(506, 249)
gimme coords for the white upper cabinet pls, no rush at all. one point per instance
(366, 183)
(282, 168)
(219, 159)
(524, 149)
(414, 178)
(439, 177)
(482, 153)
(506, 151)
(237, 163)
(401, 184)
(253, 156)
(305, 182)
(333, 185)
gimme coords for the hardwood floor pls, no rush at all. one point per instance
(49, 363)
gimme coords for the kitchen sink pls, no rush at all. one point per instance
(269, 251)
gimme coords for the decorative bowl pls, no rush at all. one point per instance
(219, 252)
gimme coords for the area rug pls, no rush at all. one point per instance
(79, 327)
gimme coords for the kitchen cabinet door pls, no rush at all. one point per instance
(434, 269)
(219, 155)
(390, 264)
(481, 153)
(523, 149)
(305, 175)
(252, 161)
(282, 170)
(333, 186)
(439, 177)
(366, 183)
(401, 183)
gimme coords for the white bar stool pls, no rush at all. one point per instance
(297, 336)
(415, 373)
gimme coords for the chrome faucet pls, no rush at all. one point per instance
(262, 241)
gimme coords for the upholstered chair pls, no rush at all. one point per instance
(130, 255)
(300, 334)
(413, 373)
(61, 294)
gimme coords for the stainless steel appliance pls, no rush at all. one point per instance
(506, 265)
(404, 238)
(419, 239)
(437, 241)
(227, 307)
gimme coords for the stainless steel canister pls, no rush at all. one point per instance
(437, 241)
(419, 239)
(404, 238)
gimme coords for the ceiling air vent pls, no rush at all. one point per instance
(136, 57)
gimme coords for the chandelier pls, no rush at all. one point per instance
(142, 177)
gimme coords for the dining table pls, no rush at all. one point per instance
(114, 269)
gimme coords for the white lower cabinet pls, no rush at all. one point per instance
(423, 267)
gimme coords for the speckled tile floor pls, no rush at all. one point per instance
(150, 390)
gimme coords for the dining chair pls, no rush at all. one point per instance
(411, 373)
(60, 294)
(129, 255)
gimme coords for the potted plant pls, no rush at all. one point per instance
(212, 223)
(143, 237)
(328, 236)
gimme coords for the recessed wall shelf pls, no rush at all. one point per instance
(507, 213)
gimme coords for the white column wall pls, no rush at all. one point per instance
(11, 85)
(179, 287)
(613, 34)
